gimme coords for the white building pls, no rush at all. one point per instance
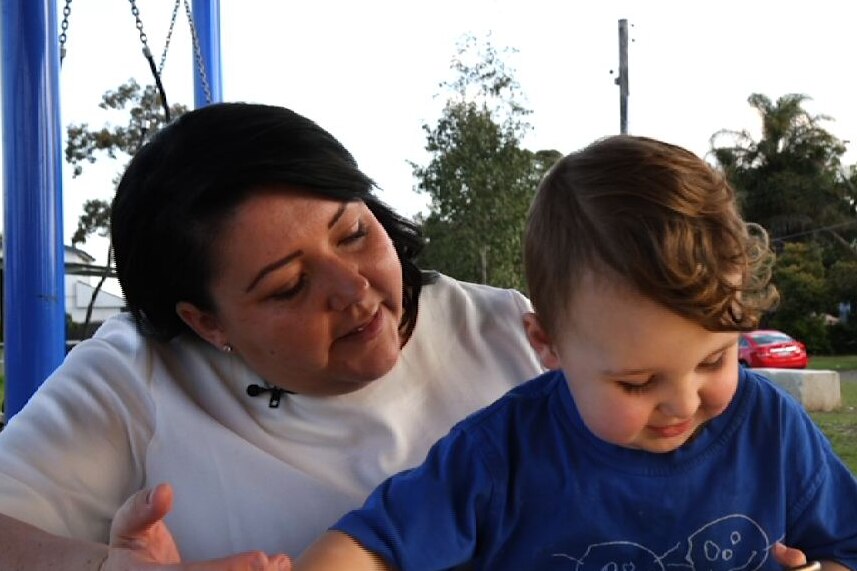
(81, 277)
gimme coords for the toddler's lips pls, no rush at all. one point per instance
(672, 430)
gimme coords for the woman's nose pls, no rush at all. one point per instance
(346, 284)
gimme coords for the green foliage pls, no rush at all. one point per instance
(799, 275)
(843, 338)
(842, 277)
(145, 116)
(94, 220)
(480, 180)
(75, 331)
(791, 180)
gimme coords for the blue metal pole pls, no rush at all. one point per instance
(34, 301)
(206, 17)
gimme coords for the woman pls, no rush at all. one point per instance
(282, 356)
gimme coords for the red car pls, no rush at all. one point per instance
(773, 349)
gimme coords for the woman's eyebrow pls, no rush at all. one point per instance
(271, 267)
(286, 259)
(339, 212)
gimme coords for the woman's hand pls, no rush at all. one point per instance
(140, 540)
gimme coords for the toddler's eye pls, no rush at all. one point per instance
(715, 364)
(635, 388)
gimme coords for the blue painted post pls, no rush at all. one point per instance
(206, 18)
(34, 301)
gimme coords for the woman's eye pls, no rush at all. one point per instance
(356, 235)
(292, 291)
(715, 364)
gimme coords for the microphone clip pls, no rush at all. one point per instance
(276, 393)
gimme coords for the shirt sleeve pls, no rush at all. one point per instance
(429, 517)
(824, 525)
(75, 452)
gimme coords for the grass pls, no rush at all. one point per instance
(834, 362)
(840, 426)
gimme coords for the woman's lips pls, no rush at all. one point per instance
(367, 331)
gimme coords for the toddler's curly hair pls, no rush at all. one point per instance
(657, 217)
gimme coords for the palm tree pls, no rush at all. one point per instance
(791, 180)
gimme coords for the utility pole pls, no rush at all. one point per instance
(622, 79)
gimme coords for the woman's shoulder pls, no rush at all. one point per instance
(119, 349)
(478, 327)
(481, 296)
(119, 331)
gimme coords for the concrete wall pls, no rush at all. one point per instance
(817, 390)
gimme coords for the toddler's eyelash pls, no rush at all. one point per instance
(714, 365)
(632, 388)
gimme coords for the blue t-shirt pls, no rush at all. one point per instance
(523, 485)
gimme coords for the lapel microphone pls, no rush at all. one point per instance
(276, 393)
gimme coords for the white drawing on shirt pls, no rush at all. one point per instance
(616, 556)
(730, 543)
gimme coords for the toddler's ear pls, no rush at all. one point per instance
(541, 341)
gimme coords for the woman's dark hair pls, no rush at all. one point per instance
(181, 186)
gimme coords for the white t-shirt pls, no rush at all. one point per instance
(123, 412)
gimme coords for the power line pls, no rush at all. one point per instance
(814, 230)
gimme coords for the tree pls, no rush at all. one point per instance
(480, 180)
(791, 180)
(799, 274)
(842, 279)
(145, 117)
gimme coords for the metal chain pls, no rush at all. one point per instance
(66, 12)
(169, 37)
(143, 38)
(148, 54)
(198, 53)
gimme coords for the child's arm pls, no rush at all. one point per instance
(335, 551)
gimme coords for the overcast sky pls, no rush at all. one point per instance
(369, 71)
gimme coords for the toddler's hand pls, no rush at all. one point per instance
(789, 557)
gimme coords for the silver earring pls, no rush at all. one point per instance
(227, 348)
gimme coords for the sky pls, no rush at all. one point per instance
(370, 72)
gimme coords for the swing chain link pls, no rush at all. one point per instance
(197, 51)
(169, 37)
(63, 37)
(143, 38)
(66, 12)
